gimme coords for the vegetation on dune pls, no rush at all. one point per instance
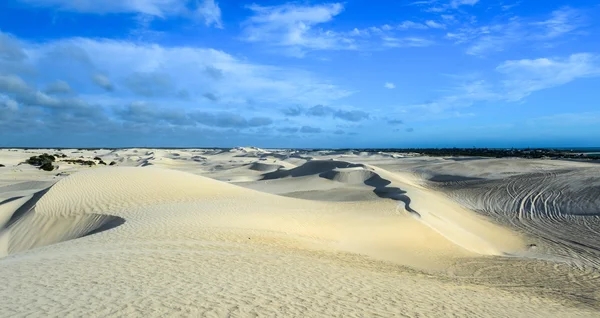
(81, 162)
(47, 166)
(43, 161)
(1, 165)
(112, 163)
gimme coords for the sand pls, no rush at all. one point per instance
(252, 232)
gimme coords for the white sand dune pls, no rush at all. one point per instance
(170, 239)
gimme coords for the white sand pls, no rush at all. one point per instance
(163, 233)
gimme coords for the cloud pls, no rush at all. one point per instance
(326, 111)
(458, 3)
(214, 72)
(395, 122)
(390, 41)
(442, 6)
(517, 80)
(435, 25)
(207, 10)
(562, 21)
(149, 84)
(410, 130)
(297, 29)
(497, 37)
(530, 75)
(8, 106)
(259, 121)
(147, 113)
(58, 87)
(507, 7)
(210, 11)
(389, 85)
(288, 130)
(16, 88)
(293, 111)
(24, 106)
(411, 25)
(294, 26)
(339, 132)
(103, 82)
(174, 69)
(351, 115)
(10, 49)
(319, 111)
(310, 130)
(160, 85)
(13, 84)
(211, 97)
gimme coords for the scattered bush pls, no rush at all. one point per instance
(1, 165)
(98, 158)
(47, 166)
(112, 163)
(102, 163)
(81, 162)
(41, 159)
(44, 161)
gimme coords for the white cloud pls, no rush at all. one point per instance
(527, 76)
(458, 3)
(292, 25)
(207, 9)
(210, 11)
(389, 85)
(438, 6)
(172, 79)
(562, 21)
(390, 41)
(519, 79)
(405, 25)
(434, 25)
(486, 39)
(296, 29)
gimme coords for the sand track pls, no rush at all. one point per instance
(544, 204)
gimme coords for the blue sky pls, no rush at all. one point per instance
(414, 73)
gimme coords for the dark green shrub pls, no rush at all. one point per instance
(47, 166)
(102, 163)
(98, 158)
(81, 162)
(1, 165)
(112, 163)
(41, 160)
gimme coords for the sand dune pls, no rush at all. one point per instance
(342, 234)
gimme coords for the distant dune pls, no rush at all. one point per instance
(256, 232)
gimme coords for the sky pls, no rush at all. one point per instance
(305, 74)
